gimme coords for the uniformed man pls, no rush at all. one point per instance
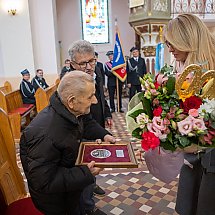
(26, 88)
(38, 81)
(135, 68)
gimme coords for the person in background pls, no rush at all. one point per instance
(26, 88)
(39, 81)
(190, 42)
(135, 68)
(111, 84)
(83, 58)
(49, 147)
(101, 67)
(67, 68)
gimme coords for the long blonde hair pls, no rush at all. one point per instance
(188, 33)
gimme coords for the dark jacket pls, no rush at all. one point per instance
(27, 91)
(111, 77)
(101, 67)
(64, 71)
(100, 111)
(135, 69)
(48, 149)
(39, 82)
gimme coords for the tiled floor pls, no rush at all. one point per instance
(132, 191)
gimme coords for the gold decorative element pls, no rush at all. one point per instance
(200, 83)
(149, 51)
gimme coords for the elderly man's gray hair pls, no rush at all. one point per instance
(73, 83)
(81, 47)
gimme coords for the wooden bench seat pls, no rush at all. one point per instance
(12, 104)
(42, 96)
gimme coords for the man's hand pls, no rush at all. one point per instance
(94, 170)
(108, 123)
(129, 85)
(109, 138)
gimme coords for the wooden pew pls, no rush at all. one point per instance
(13, 196)
(12, 104)
(42, 96)
(11, 181)
(6, 88)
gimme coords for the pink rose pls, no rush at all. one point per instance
(193, 112)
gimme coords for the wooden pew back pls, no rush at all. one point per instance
(13, 100)
(6, 88)
(42, 97)
(11, 181)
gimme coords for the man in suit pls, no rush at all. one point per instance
(135, 68)
(26, 88)
(83, 58)
(111, 84)
(38, 81)
(66, 68)
(101, 67)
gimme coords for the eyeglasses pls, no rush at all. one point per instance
(83, 65)
(169, 45)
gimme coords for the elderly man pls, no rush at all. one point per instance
(83, 58)
(49, 147)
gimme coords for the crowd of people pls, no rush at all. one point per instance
(80, 112)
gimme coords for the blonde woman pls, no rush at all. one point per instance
(190, 41)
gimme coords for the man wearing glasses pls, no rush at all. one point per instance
(83, 58)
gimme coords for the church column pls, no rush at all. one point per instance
(44, 37)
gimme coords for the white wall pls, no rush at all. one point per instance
(69, 26)
(15, 40)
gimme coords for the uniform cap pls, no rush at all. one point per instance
(109, 53)
(133, 48)
(24, 72)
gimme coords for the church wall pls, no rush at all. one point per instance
(15, 42)
(69, 26)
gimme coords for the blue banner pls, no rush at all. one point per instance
(118, 66)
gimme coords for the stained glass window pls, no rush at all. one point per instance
(95, 26)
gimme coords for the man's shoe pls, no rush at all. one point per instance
(95, 211)
(98, 191)
(121, 111)
(112, 111)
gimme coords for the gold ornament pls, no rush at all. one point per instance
(200, 83)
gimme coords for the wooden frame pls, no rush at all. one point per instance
(121, 152)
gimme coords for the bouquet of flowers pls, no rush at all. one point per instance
(174, 114)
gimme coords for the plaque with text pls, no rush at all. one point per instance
(106, 155)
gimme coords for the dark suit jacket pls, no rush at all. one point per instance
(39, 82)
(64, 71)
(101, 67)
(134, 74)
(111, 77)
(100, 111)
